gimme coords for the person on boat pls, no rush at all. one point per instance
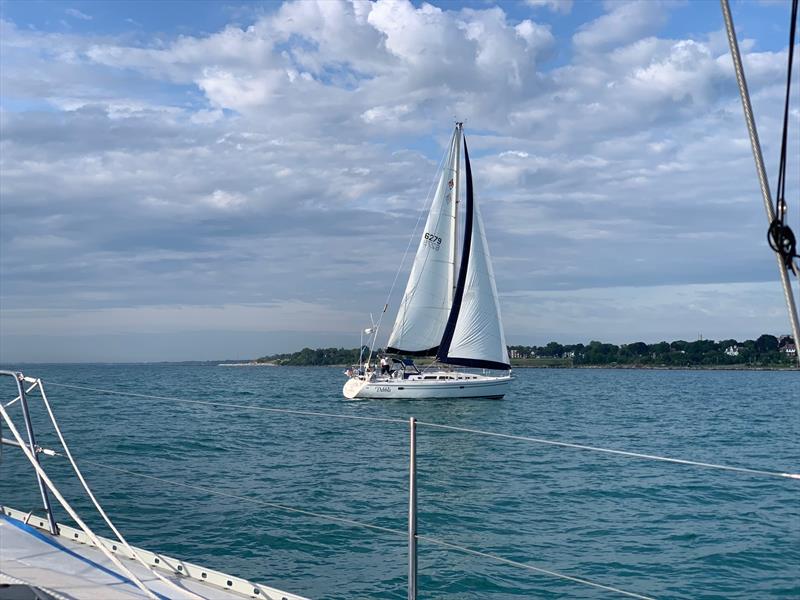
(384, 365)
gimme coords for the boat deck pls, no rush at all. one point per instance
(69, 566)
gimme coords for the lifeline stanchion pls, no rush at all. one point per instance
(412, 511)
(26, 416)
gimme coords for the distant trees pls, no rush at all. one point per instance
(767, 350)
(316, 357)
(767, 343)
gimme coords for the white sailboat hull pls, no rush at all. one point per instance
(478, 386)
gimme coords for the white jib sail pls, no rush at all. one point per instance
(424, 310)
(478, 334)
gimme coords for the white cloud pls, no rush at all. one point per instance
(560, 6)
(286, 160)
(624, 315)
(75, 13)
(625, 22)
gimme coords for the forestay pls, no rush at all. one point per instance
(424, 310)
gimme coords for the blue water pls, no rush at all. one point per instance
(664, 530)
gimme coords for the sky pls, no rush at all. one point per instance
(223, 180)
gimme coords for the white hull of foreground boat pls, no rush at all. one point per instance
(478, 386)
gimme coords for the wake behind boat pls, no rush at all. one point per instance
(449, 309)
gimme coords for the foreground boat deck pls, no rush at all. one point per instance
(69, 566)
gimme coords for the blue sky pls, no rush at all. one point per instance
(209, 180)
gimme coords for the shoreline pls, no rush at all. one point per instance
(616, 367)
(666, 367)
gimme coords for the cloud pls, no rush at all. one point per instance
(284, 162)
(76, 14)
(559, 6)
(614, 314)
(624, 23)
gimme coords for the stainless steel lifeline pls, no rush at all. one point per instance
(411, 534)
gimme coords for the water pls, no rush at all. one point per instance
(665, 530)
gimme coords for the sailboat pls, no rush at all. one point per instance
(449, 309)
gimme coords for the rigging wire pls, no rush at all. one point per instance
(439, 426)
(304, 413)
(780, 236)
(532, 568)
(612, 451)
(218, 492)
(412, 237)
(758, 158)
(172, 585)
(71, 511)
(354, 522)
(371, 526)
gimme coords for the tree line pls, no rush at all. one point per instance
(765, 351)
(316, 357)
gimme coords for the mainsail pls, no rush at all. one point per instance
(428, 298)
(474, 334)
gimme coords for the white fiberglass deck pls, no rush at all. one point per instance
(68, 566)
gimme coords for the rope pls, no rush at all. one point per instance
(305, 413)
(679, 461)
(216, 492)
(99, 508)
(43, 476)
(780, 236)
(761, 171)
(355, 523)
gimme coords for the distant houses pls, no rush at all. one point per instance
(765, 351)
(786, 344)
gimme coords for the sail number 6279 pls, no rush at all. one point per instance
(433, 239)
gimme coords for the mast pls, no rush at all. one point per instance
(455, 203)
